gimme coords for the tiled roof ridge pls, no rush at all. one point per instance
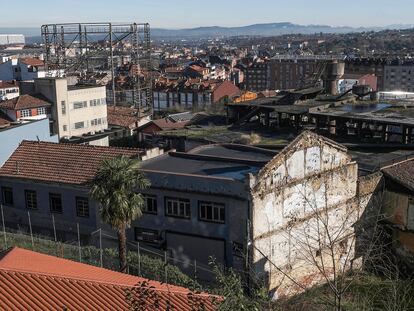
(10, 253)
(25, 141)
(167, 288)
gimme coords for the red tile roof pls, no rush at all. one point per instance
(61, 163)
(167, 124)
(34, 281)
(24, 102)
(7, 85)
(122, 116)
(31, 61)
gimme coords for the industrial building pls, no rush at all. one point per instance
(228, 201)
(12, 39)
(78, 112)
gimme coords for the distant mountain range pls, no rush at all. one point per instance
(270, 29)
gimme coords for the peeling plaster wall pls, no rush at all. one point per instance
(311, 175)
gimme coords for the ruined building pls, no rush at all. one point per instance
(250, 208)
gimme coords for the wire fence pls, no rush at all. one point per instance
(143, 261)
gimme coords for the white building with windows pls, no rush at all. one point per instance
(79, 112)
(8, 90)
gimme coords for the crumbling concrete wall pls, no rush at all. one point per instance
(311, 181)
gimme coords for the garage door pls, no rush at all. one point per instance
(185, 249)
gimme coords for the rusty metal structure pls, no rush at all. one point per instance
(85, 50)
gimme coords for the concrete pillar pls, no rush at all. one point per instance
(404, 134)
(359, 128)
(384, 133)
(267, 118)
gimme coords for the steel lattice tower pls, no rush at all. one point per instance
(84, 49)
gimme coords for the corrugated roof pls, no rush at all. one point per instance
(34, 281)
(24, 102)
(62, 163)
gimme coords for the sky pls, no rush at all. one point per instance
(194, 13)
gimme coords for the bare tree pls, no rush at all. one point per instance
(327, 243)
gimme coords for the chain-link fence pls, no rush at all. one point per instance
(149, 263)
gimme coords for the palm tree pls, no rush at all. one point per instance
(115, 187)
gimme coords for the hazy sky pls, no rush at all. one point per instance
(193, 13)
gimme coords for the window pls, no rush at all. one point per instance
(146, 235)
(177, 207)
(41, 110)
(31, 199)
(55, 202)
(82, 207)
(150, 204)
(65, 128)
(79, 125)
(79, 105)
(63, 104)
(94, 102)
(7, 196)
(26, 113)
(210, 211)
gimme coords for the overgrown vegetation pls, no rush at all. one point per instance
(151, 268)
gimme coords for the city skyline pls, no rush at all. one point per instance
(178, 14)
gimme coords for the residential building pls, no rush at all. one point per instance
(225, 201)
(147, 131)
(196, 71)
(33, 281)
(192, 93)
(79, 112)
(26, 107)
(8, 90)
(257, 76)
(124, 121)
(362, 66)
(399, 77)
(22, 69)
(13, 133)
(293, 72)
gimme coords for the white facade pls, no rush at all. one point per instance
(345, 85)
(312, 184)
(11, 39)
(7, 92)
(76, 110)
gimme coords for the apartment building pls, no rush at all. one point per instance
(26, 108)
(257, 77)
(192, 93)
(399, 77)
(79, 112)
(8, 90)
(284, 72)
(362, 66)
(22, 69)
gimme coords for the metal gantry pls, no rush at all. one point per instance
(85, 50)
